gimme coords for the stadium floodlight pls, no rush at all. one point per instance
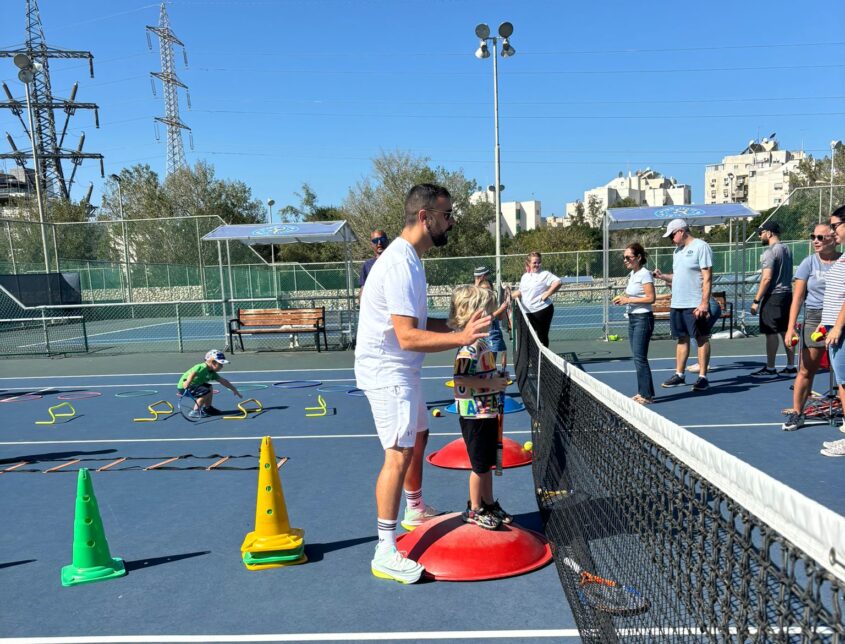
(482, 32)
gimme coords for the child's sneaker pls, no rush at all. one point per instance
(481, 517)
(198, 413)
(415, 518)
(389, 563)
(496, 510)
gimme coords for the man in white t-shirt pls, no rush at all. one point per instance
(692, 313)
(394, 334)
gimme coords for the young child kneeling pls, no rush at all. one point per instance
(196, 383)
(478, 393)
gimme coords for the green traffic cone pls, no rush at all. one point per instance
(92, 560)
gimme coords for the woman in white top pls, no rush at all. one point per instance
(535, 289)
(808, 289)
(638, 298)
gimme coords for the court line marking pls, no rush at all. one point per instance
(193, 439)
(300, 637)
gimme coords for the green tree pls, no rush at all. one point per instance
(377, 202)
(595, 211)
(309, 209)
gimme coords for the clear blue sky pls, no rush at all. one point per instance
(286, 92)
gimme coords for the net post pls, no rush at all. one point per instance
(179, 329)
(46, 334)
(84, 333)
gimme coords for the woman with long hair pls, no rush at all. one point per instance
(637, 300)
(535, 290)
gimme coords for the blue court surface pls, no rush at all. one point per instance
(179, 526)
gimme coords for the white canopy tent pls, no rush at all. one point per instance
(311, 232)
(658, 217)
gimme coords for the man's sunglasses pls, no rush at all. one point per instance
(447, 214)
(819, 238)
(379, 240)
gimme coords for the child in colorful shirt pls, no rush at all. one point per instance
(195, 381)
(479, 389)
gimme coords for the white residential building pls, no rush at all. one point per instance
(554, 222)
(517, 216)
(758, 176)
(645, 187)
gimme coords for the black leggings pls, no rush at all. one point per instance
(542, 322)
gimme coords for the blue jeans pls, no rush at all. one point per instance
(640, 328)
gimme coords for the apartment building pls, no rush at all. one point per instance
(517, 216)
(758, 176)
(645, 187)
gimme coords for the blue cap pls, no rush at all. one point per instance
(217, 356)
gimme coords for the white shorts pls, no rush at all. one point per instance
(399, 412)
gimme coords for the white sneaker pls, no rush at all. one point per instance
(835, 450)
(833, 444)
(415, 518)
(389, 563)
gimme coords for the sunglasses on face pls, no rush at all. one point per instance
(628, 258)
(819, 238)
(379, 240)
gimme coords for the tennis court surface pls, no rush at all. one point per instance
(700, 546)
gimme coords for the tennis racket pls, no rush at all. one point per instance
(607, 595)
(186, 405)
(500, 430)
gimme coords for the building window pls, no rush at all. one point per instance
(778, 186)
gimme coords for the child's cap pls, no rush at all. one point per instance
(217, 356)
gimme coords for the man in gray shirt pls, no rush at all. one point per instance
(773, 298)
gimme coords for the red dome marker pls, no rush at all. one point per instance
(454, 456)
(452, 550)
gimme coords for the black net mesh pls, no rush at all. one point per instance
(618, 505)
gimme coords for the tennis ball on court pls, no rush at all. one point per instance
(528, 446)
(613, 338)
(436, 413)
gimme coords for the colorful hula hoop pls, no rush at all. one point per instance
(251, 387)
(297, 384)
(79, 395)
(136, 393)
(330, 388)
(21, 398)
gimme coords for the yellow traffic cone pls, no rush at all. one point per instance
(273, 543)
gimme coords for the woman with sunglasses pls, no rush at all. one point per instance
(808, 289)
(638, 298)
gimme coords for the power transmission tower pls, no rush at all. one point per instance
(48, 146)
(170, 82)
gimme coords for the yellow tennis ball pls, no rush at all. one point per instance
(528, 446)
(436, 413)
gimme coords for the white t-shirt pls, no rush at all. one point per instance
(635, 289)
(532, 286)
(395, 286)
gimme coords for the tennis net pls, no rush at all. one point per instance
(43, 335)
(702, 546)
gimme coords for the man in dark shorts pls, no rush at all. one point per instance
(692, 312)
(773, 299)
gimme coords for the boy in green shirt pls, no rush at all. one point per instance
(196, 381)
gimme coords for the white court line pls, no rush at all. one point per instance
(179, 373)
(193, 439)
(733, 425)
(300, 637)
(92, 335)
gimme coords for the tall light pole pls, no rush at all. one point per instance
(483, 33)
(116, 178)
(28, 68)
(270, 204)
(834, 146)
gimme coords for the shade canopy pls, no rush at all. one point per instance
(311, 232)
(657, 217)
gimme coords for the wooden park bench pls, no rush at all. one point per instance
(284, 321)
(660, 308)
